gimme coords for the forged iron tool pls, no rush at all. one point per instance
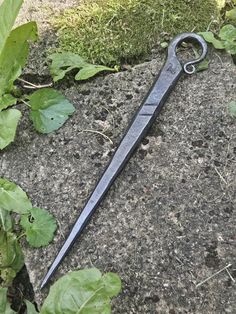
(141, 123)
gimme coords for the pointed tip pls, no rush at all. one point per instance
(47, 277)
(44, 282)
(65, 248)
(51, 271)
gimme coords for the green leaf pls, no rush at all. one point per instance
(13, 198)
(5, 220)
(30, 307)
(11, 257)
(230, 47)
(210, 38)
(39, 227)
(8, 123)
(82, 292)
(9, 10)
(232, 109)
(228, 33)
(63, 63)
(6, 101)
(231, 15)
(14, 55)
(49, 110)
(90, 70)
(112, 284)
(5, 307)
(67, 61)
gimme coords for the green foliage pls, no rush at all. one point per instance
(90, 70)
(63, 63)
(231, 15)
(14, 50)
(224, 40)
(5, 307)
(80, 292)
(232, 109)
(210, 38)
(30, 308)
(49, 110)
(8, 13)
(67, 61)
(228, 36)
(14, 46)
(84, 291)
(5, 220)
(39, 226)
(111, 32)
(6, 101)
(11, 257)
(8, 124)
(13, 198)
(202, 66)
(14, 55)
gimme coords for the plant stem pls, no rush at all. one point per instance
(25, 102)
(33, 86)
(21, 235)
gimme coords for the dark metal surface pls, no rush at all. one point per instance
(141, 123)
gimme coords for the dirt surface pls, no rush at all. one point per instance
(168, 222)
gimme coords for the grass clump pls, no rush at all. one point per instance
(115, 31)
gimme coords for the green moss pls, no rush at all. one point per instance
(115, 31)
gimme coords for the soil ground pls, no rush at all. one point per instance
(168, 222)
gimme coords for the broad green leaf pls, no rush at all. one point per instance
(232, 109)
(230, 47)
(13, 198)
(112, 284)
(49, 110)
(8, 123)
(14, 55)
(90, 70)
(82, 292)
(9, 10)
(6, 101)
(5, 220)
(210, 38)
(39, 227)
(67, 61)
(231, 14)
(63, 63)
(5, 307)
(11, 256)
(228, 33)
(30, 307)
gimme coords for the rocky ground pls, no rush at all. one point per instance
(168, 222)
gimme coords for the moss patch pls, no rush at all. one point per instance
(114, 31)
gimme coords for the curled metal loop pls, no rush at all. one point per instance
(188, 67)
